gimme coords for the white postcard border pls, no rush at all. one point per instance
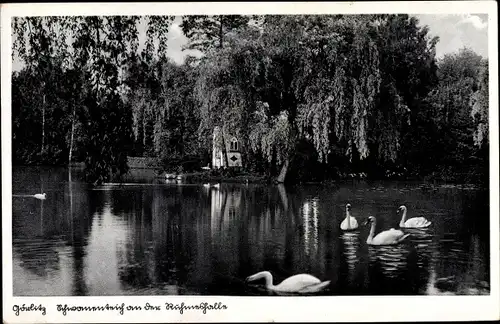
(254, 309)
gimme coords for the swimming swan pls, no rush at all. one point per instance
(415, 222)
(388, 237)
(349, 223)
(301, 283)
(40, 196)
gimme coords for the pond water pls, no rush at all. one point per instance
(153, 237)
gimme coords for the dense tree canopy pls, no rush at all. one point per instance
(340, 81)
(207, 33)
(313, 95)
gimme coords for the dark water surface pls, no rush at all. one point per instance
(159, 238)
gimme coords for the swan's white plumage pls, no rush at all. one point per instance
(300, 283)
(389, 237)
(415, 222)
(345, 224)
(349, 222)
(297, 282)
(40, 196)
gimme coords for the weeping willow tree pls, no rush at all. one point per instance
(270, 136)
(348, 92)
(111, 41)
(150, 105)
(226, 89)
(335, 81)
(339, 83)
(153, 89)
(162, 108)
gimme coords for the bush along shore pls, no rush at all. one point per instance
(237, 175)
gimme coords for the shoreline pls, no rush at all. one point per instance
(204, 177)
(207, 176)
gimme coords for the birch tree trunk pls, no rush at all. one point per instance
(72, 136)
(283, 172)
(43, 125)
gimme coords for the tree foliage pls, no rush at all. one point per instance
(97, 48)
(338, 92)
(480, 106)
(207, 33)
(453, 103)
(335, 78)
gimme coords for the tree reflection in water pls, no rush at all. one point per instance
(310, 224)
(173, 238)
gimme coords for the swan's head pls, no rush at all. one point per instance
(257, 276)
(401, 208)
(370, 220)
(348, 207)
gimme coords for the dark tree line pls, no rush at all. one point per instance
(309, 97)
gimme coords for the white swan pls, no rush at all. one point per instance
(388, 237)
(206, 185)
(301, 283)
(217, 185)
(349, 223)
(415, 222)
(40, 196)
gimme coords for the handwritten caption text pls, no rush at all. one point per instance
(122, 308)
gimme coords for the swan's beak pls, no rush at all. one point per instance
(250, 278)
(366, 222)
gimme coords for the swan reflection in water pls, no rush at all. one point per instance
(442, 282)
(351, 246)
(310, 224)
(424, 244)
(392, 259)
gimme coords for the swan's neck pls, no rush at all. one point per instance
(403, 218)
(269, 280)
(348, 217)
(268, 277)
(372, 233)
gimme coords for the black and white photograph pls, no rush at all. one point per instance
(175, 158)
